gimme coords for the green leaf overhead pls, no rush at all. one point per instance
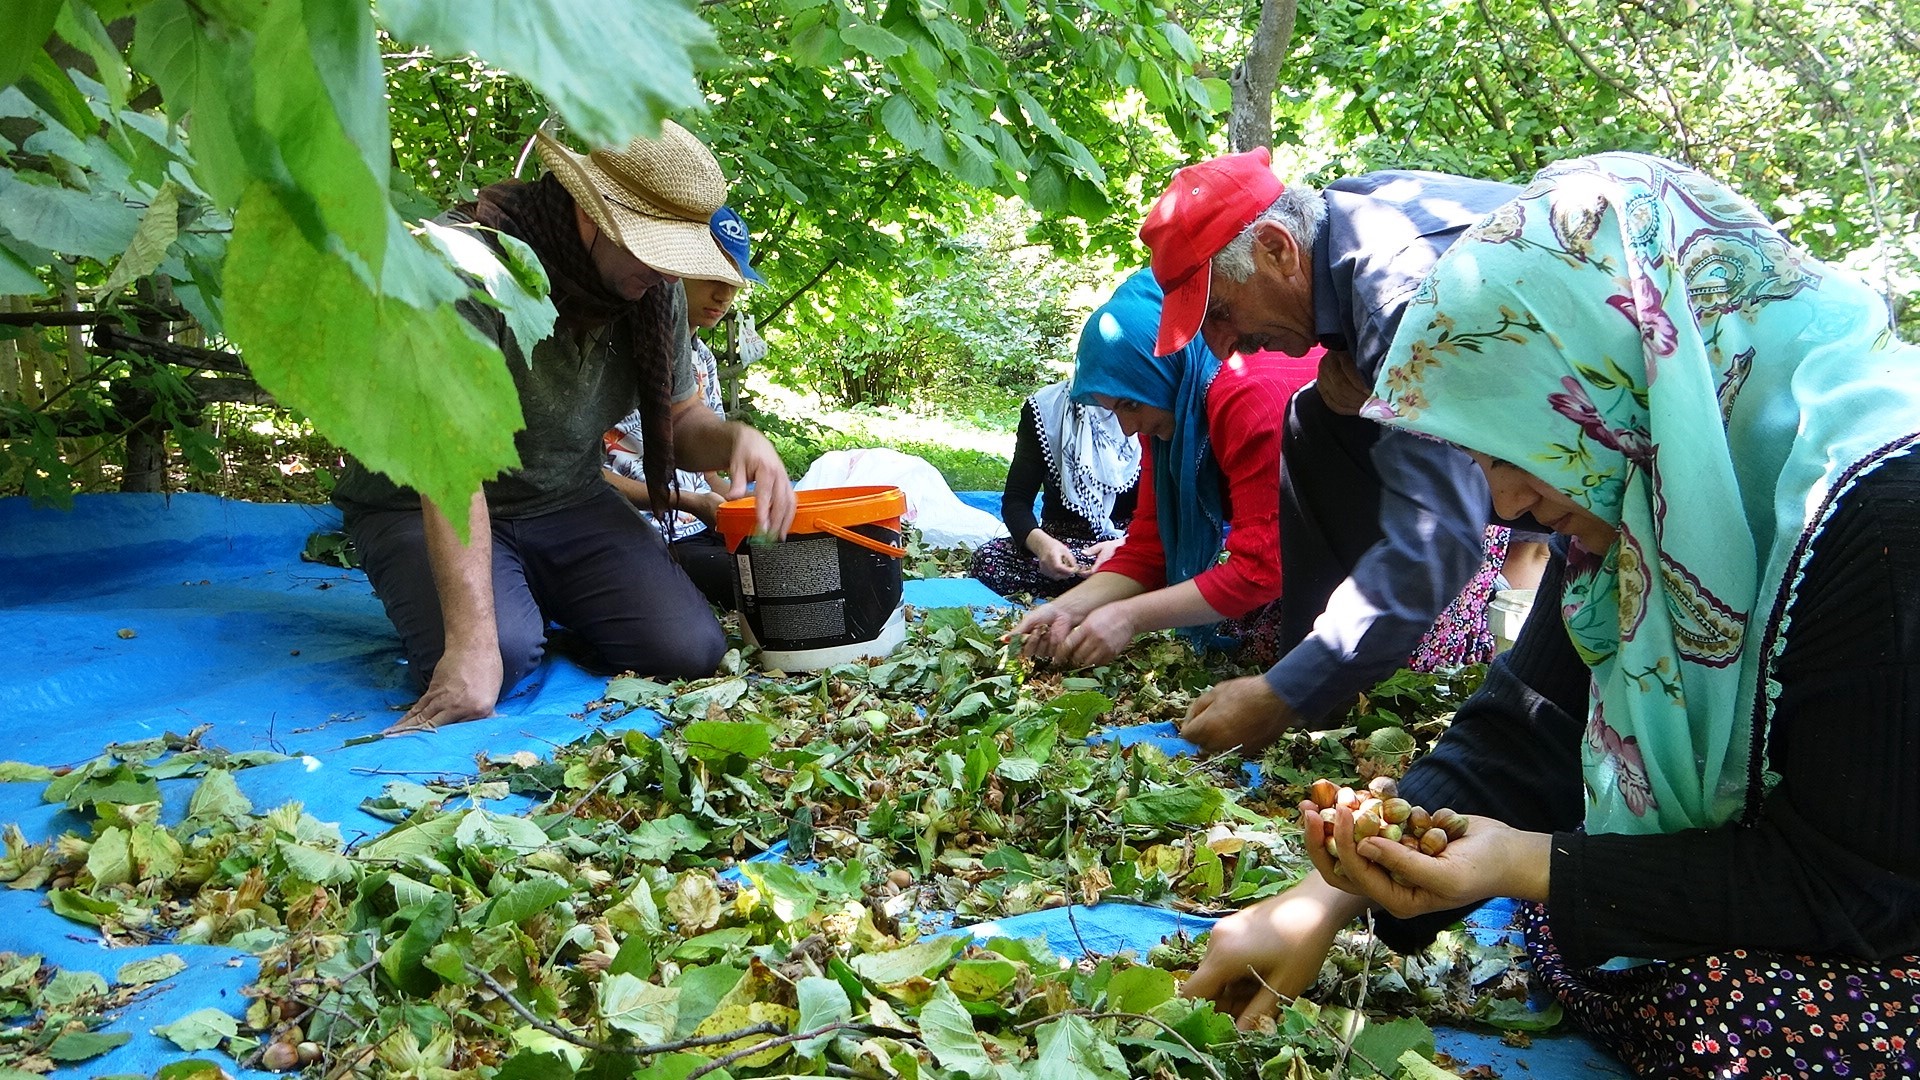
(304, 312)
(17, 278)
(876, 41)
(65, 220)
(22, 33)
(529, 313)
(203, 76)
(159, 226)
(613, 70)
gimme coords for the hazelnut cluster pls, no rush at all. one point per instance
(1378, 810)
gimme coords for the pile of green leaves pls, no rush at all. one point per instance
(625, 927)
(53, 1015)
(952, 758)
(925, 560)
(50, 1013)
(1381, 734)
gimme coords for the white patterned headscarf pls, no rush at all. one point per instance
(1091, 459)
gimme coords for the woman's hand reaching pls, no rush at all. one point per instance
(1270, 953)
(1056, 559)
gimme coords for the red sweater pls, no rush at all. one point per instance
(1246, 417)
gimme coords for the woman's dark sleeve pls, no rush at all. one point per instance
(1513, 749)
(1024, 478)
(1832, 864)
(1124, 503)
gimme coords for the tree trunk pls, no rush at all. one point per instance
(1250, 123)
(146, 467)
(79, 363)
(10, 353)
(146, 448)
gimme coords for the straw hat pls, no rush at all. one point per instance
(654, 197)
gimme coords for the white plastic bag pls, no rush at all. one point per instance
(932, 507)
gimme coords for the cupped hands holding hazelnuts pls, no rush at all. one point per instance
(1411, 861)
(1370, 848)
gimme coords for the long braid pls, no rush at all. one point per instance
(542, 214)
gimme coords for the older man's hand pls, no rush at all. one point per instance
(1340, 383)
(1239, 714)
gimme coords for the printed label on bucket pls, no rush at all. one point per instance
(746, 575)
(803, 622)
(799, 567)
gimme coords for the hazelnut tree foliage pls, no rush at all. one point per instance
(1799, 104)
(249, 171)
(235, 164)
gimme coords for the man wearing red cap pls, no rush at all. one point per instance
(1379, 530)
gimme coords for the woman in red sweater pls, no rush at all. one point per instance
(1210, 481)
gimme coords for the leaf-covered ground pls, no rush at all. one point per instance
(759, 891)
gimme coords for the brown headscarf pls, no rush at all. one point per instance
(542, 215)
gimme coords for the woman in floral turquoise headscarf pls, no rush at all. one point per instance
(1721, 425)
(1706, 409)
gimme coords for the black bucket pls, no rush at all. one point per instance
(833, 584)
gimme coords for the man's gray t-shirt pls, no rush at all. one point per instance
(573, 392)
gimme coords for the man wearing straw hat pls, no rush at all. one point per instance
(615, 230)
(695, 543)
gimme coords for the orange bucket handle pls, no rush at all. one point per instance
(867, 542)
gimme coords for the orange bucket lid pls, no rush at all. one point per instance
(829, 510)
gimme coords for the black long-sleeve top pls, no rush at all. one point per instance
(1831, 863)
(1029, 474)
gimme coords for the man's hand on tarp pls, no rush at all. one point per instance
(465, 686)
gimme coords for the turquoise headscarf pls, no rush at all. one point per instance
(1116, 359)
(1640, 338)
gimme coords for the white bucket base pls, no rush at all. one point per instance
(1506, 613)
(890, 637)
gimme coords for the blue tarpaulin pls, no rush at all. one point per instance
(130, 616)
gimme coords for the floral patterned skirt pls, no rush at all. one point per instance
(1460, 635)
(1743, 1013)
(1258, 633)
(1011, 570)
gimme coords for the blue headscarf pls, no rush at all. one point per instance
(1116, 359)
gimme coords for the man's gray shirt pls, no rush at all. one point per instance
(572, 391)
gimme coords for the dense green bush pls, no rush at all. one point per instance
(799, 442)
(975, 325)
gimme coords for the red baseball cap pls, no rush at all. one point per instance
(1202, 210)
